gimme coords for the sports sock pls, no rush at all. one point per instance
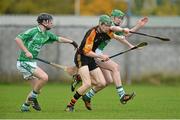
(74, 99)
(91, 93)
(34, 94)
(120, 91)
(25, 106)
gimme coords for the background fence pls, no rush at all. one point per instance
(157, 57)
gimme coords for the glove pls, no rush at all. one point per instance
(74, 44)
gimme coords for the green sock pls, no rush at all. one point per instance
(25, 107)
(26, 104)
(34, 94)
(91, 93)
(120, 91)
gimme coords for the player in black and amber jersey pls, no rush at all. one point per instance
(84, 58)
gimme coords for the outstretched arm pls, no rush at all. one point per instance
(119, 29)
(66, 40)
(123, 40)
(141, 23)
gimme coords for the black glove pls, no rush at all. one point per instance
(74, 44)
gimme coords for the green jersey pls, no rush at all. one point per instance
(104, 43)
(33, 40)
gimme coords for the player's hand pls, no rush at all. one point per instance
(28, 54)
(131, 46)
(126, 30)
(142, 21)
(74, 44)
(104, 58)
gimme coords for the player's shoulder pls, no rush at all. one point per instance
(32, 30)
(92, 29)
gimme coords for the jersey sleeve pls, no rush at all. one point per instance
(89, 42)
(110, 34)
(27, 35)
(119, 33)
(52, 37)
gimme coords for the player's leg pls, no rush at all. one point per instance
(76, 80)
(108, 80)
(42, 79)
(26, 105)
(32, 96)
(107, 76)
(27, 69)
(37, 81)
(73, 71)
(98, 83)
(116, 76)
(114, 68)
(98, 86)
(86, 84)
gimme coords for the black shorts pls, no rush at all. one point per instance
(82, 60)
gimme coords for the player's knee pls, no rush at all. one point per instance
(101, 84)
(115, 67)
(109, 82)
(45, 78)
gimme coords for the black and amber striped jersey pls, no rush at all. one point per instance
(93, 39)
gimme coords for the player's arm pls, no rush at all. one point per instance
(141, 23)
(66, 40)
(123, 40)
(21, 45)
(119, 29)
(87, 50)
(94, 55)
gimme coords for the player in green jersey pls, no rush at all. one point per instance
(110, 68)
(30, 42)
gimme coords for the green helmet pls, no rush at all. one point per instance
(105, 19)
(117, 13)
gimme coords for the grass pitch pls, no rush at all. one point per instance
(150, 102)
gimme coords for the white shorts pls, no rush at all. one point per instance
(26, 68)
(98, 51)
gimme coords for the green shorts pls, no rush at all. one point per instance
(26, 68)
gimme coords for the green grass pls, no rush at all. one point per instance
(150, 102)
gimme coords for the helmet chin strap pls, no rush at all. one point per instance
(116, 24)
(45, 26)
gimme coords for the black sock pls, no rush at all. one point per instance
(74, 99)
(77, 95)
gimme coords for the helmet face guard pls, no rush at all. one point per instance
(44, 17)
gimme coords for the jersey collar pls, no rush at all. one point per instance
(39, 29)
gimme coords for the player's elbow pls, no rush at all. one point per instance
(86, 52)
(17, 40)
